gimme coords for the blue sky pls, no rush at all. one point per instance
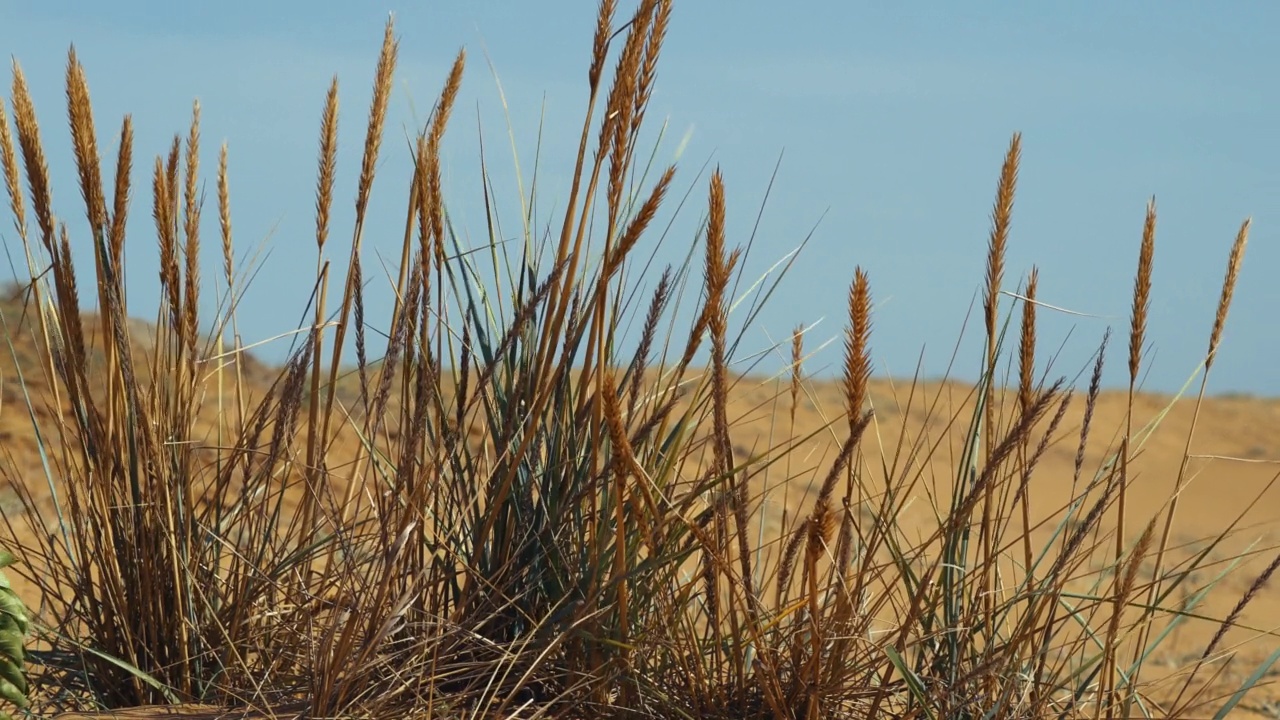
(891, 120)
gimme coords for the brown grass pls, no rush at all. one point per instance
(502, 514)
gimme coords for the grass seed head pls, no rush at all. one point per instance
(1234, 264)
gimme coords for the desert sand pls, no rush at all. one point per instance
(1234, 459)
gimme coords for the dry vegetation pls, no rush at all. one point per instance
(505, 516)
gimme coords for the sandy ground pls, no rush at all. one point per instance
(1235, 455)
(1234, 460)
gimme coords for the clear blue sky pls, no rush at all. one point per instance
(892, 119)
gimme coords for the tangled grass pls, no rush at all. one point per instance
(505, 515)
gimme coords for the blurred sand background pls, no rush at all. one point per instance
(1235, 457)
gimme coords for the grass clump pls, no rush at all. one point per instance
(506, 514)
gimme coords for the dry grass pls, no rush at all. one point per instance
(505, 515)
